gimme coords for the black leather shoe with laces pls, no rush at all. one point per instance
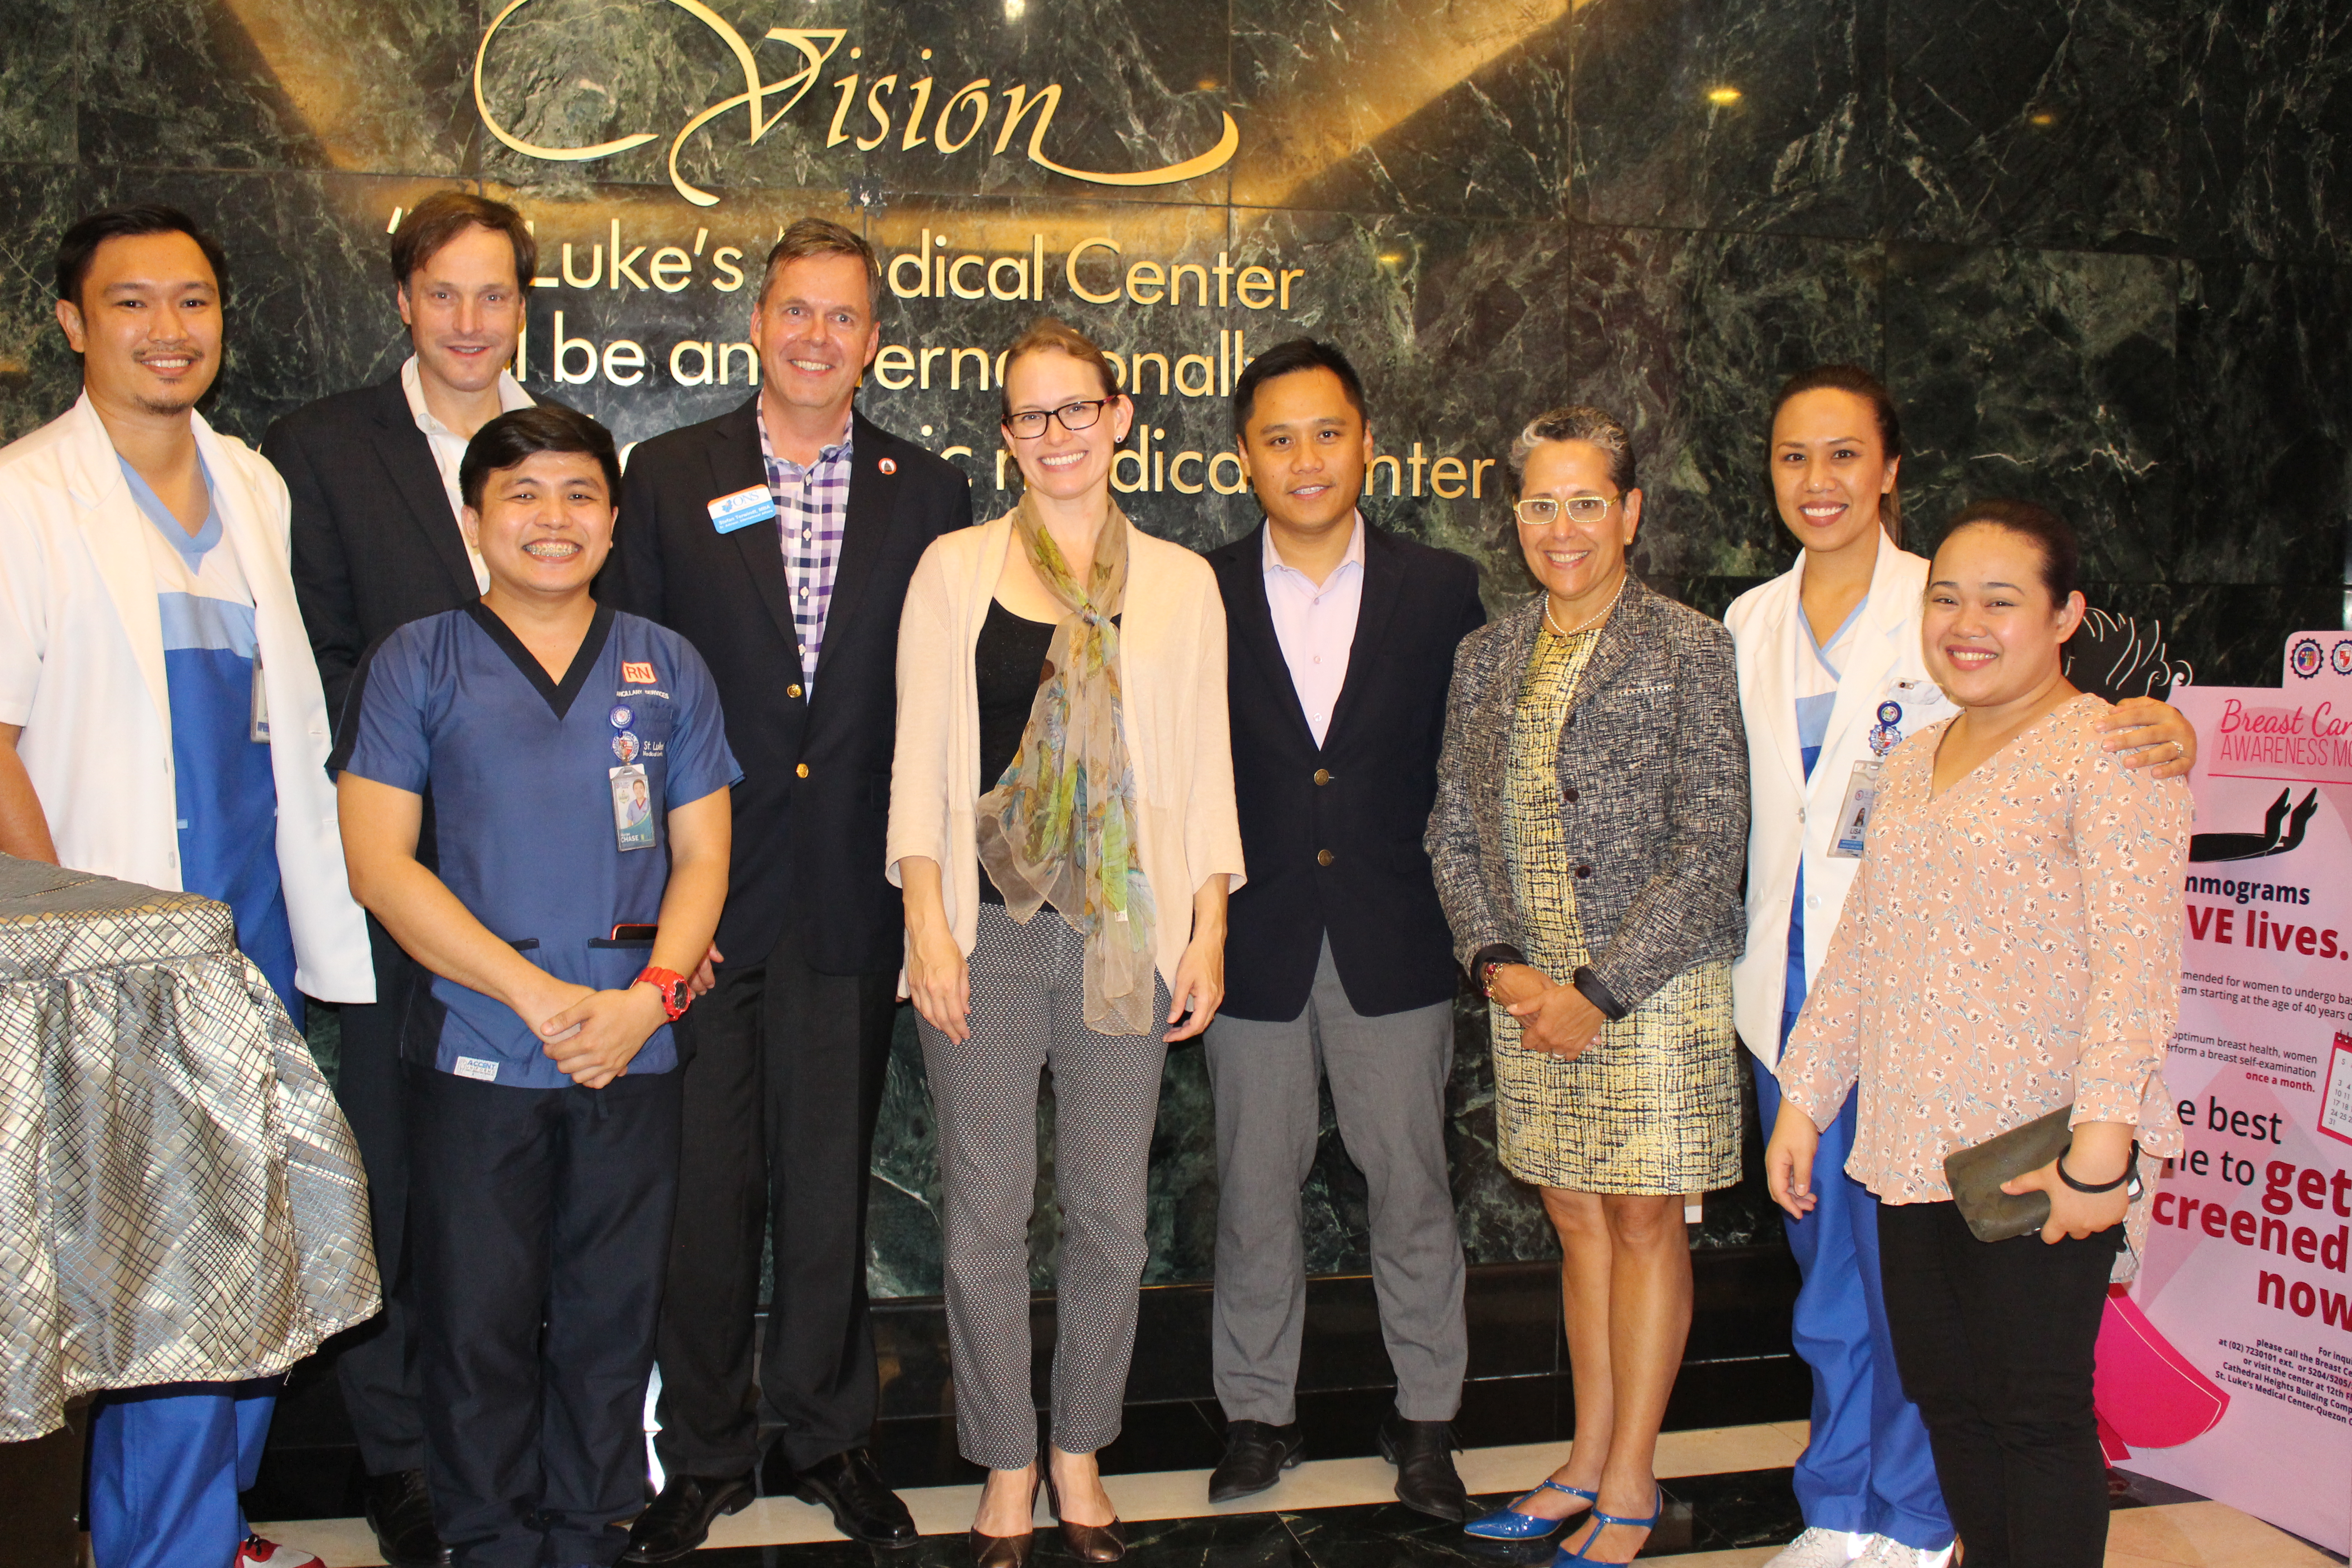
(863, 1508)
(1422, 1452)
(678, 1521)
(1256, 1456)
(400, 1510)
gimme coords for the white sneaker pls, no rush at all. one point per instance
(258, 1554)
(1884, 1554)
(1819, 1548)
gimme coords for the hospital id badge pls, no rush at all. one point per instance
(633, 807)
(1853, 812)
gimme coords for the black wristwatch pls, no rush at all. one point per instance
(1597, 993)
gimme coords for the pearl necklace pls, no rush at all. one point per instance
(1596, 620)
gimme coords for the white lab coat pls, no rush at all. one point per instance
(81, 670)
(1794, 817)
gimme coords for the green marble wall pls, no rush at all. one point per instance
(2097, 246)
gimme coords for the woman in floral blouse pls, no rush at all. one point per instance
(2011, 946)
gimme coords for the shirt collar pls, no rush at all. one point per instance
(512, 396)
(830, 452)
(1271, 558)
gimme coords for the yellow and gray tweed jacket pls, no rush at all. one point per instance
(1654, 790)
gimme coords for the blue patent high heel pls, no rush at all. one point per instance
(1567, 1559)
(1510, 1524)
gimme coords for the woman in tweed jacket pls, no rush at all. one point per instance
(1591, 820)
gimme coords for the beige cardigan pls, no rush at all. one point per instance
(1173, 702)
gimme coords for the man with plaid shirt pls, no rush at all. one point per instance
(778, 539)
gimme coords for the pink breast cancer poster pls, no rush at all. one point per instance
(2228, 1370)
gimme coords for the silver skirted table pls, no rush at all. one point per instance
(180, 1199)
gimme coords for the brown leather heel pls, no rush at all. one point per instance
(1001, 1551)
(1006, 1551)
(1095, 1543)
(1087, 1542)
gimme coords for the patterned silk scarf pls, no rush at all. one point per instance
(1060, 827)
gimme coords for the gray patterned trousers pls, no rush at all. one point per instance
(1026, 1017)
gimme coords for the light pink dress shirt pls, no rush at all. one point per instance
(1316, 627)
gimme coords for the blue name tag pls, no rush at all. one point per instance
(742, 509)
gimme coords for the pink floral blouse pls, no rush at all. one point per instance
(2007, 947)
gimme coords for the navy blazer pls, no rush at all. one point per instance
(810, 813)
(375, 545)
(1362, 798)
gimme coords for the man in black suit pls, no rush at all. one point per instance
(373, 478)
(778, 539)
(1337, 962)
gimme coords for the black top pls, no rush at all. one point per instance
(813, 811)
(1010, 661)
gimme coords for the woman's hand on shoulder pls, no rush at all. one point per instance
(2142, 732)
(1554, 1018)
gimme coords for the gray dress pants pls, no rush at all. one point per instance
(1027, 1016)
(1387, 1084)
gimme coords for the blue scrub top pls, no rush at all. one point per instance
(222, 780)
(520, 822)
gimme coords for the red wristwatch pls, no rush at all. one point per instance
(674, 997)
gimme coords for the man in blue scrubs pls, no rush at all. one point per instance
(563, 881)
(161, 722)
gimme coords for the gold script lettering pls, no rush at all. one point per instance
(815, 46)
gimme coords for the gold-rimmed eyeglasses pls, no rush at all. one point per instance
(1030, 424)
(1542, 511)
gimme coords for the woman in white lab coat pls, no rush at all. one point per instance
(1832, 675)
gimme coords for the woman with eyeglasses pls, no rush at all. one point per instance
(1592, 802)
(1062, 821)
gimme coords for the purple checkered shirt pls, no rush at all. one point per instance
(811, 504)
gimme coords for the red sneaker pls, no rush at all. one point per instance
(258, 1554)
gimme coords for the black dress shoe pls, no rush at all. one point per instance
(678, 1521)
(400, 1510)
(1256, 1456)
(863, 1508)
(1422, 1452)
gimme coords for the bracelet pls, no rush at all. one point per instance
(1487, 977)
(2131, 1169)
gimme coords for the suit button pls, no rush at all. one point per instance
(791, 691)
(1324, 856)
(1584, 870)
(1322, 775)
(1569, 795)
(802, 771)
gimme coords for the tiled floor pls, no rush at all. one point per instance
(1728, 1505)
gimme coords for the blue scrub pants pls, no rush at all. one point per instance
(1867, 1468)
(166, 1465)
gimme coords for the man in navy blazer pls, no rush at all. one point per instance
(778, 538)
(1339, 964)
(373, 477)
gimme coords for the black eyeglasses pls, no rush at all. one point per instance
(1030, 424)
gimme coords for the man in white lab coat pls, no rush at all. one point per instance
(161, 722)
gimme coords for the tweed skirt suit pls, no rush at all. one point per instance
(1592, 812)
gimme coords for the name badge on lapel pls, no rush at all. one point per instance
(742, 509)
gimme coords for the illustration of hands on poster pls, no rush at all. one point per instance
(2227, 1367)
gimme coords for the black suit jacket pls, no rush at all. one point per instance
(375, 545)
(1376, 897)
(810, 813)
